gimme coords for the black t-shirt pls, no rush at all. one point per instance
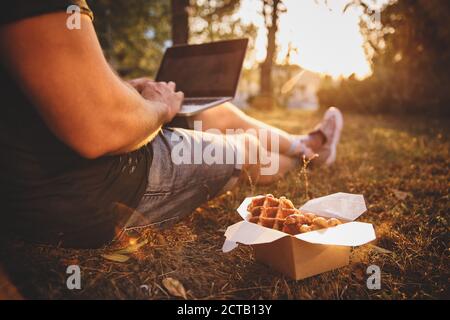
(48, 192)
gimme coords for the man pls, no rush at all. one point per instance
(85, 153)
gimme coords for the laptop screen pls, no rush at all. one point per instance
(206, 70)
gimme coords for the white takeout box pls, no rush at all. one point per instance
(311, 253)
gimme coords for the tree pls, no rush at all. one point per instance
(180, 21)
(271, 11)
(410, 57)
(133, 33)
(216, 20)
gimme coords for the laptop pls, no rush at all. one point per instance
(208, 74)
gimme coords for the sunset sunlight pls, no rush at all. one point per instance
(325, 39)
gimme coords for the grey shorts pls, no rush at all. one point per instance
(176, 189)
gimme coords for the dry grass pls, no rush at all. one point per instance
(378, 156)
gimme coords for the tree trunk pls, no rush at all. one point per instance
(267, 65)
(180, 21)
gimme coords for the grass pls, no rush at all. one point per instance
(400, 164)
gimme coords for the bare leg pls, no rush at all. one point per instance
(253, 168)
(228, 116)
(286, 156)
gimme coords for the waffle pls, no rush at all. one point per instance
(281, 214)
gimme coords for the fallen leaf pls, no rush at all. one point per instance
(174, 287)
(401, 195)
(116, 257)
(132, 248)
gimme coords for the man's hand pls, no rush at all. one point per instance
(163, 95)
(139, 83)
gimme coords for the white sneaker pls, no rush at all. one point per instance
(331, 127)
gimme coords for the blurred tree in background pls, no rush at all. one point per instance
(180, 21)
(271, 12)
(410, 55)
(217, 20)
(133, 33)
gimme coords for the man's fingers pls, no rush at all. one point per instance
(140, 83)
(180, 95)
(172, 85)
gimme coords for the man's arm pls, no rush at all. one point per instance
(82, 101)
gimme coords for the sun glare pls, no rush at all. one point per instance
(326, 39)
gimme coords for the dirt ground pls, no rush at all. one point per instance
(400, 164)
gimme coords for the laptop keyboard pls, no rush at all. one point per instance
(200, 101)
